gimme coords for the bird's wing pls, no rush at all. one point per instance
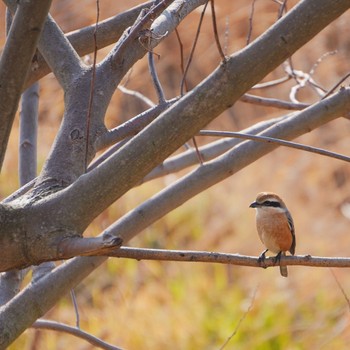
(292, 230)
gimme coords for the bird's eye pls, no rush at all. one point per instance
(272, 204)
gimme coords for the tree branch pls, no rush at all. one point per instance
(155, 78)
(226, 258)
(14, 67)
(35, 297)
(171, 165)
(136, 94)
(133, 125)
(121, 54)
(59, 53)
(10, 281)
(219, 91)
(272, 83)
(66, 163)
(28, 134)
(226, 165)
(207, 152)
(109, 31)
(61, 327)
(180, 122)
(273, 102)
(129, 48)
(280, 142)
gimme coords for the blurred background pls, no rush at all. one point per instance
(166, 305)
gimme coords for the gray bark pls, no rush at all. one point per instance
(27, 33)
(47, 223)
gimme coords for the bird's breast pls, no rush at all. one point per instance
(274, 231)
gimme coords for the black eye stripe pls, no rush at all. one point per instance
(272, 204)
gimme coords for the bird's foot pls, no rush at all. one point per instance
(261, 259)
(277, 259)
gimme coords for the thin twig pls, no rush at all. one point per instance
(271, 83)
(193, 49)
(240, 320)
(144, 20)
(60, 327)
(181, 58)
(251, 22)
(226, 36)
(222, 258)
(320, 60)
(302, 80)
(289, 66)
(76, 309)
(341, 288)
(155, 79)
(272, 102)
(92, 85)
(215, 28)
(335, 86)
(285, 143)
(317, 87)
(283, 7)
(199, 156)
(8, 20)
(305, 79)
(188, 65)
(209, 151)
(132, 126)
(136, 94)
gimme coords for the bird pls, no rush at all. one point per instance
(275, 227)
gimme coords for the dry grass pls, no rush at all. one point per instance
(150, 305)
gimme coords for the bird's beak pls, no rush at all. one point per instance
(254, 205)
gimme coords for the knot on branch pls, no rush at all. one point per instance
(76, 134)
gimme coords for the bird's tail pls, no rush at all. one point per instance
(283, 269)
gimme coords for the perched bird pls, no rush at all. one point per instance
(275, 226)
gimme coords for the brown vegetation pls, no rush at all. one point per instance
(157, 305)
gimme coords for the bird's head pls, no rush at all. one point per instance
(268, 201)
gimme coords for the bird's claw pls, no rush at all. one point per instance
(261, 259)
(277, 259)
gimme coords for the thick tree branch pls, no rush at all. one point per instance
(192, 112)
(10, 281)
(59, 54)
(169, 132)
(158, 140)
(71, 273)
(24, 33)
(207, 152)
(171, 165)
(109, 31)
(28, 134)
(10, 285)
(226, 165)
(130, 48)
(36, 300)
(67, 159)
(132, 126)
